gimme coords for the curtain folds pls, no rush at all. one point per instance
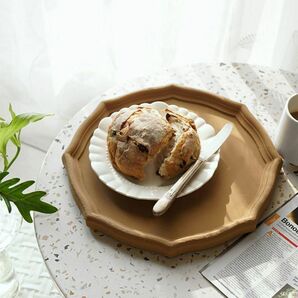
(55, 56)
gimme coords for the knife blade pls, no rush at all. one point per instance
(211, 145)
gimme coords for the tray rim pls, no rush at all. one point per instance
(166, 247)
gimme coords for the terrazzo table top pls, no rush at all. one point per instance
(90, 264)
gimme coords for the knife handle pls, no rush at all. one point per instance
(162, 205)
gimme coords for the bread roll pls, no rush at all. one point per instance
(183, 150)
(137, 136)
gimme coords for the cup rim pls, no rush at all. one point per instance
(287, 105)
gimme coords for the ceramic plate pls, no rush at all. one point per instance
(152, 187)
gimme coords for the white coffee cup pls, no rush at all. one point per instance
(286, 139)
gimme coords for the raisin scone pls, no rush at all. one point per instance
(184, 148)
(137, 136)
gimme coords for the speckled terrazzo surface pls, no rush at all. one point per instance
(86, 264)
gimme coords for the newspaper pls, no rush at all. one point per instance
(264, 263)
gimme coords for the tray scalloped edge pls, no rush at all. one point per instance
(191, 243)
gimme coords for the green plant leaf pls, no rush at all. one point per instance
(11, 191)
(16, 124)
(16, 138)
(11, 132)
(12, 113)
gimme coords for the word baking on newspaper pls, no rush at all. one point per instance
(264, 263)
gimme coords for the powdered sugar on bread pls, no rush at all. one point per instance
(139, 136)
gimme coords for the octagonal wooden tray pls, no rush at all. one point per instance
(229, 205)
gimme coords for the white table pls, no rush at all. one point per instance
(263, 90)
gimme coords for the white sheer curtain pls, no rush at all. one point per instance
(56, 55)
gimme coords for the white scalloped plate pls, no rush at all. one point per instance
(154, 186)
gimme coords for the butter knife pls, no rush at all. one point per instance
(209, 147)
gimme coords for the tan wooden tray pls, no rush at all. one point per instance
(229, 205)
